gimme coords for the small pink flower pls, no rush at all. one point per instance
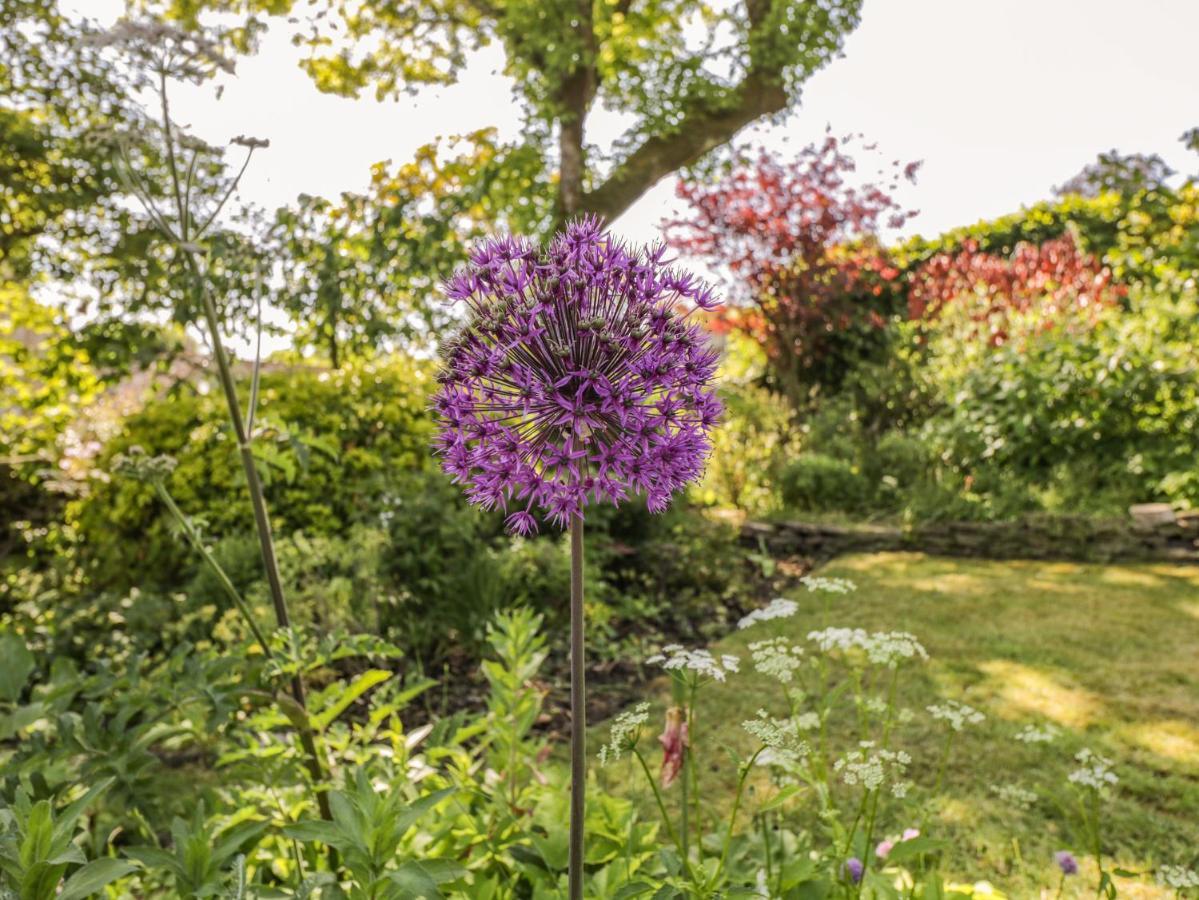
(910, 833)
(674, 742)
(883, 848)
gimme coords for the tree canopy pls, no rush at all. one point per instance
(687, 75)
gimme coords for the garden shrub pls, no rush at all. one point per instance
(816, 482)
(334, 444)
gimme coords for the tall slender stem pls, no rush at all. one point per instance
(578, 710)
(262, 521)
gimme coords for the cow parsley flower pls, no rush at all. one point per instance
(818, 583)
(623, 732)
(777, 657)
(1177, 877)
(576, 379)
(880, 648)
(1015, 795)
(779, 736)
(676, 657)
(1094, 772)
(871, 767)
(1033, 734)
(778, 608)
(958, 715)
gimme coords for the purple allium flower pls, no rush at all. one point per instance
(1066, 862)
(576, 379)
(854, 869)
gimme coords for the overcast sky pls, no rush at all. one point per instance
(1001, 100)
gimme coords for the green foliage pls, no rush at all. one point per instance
(329, 447)
(38, 849)
(814, 481)
(203, 853)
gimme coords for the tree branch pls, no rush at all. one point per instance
(759, 94)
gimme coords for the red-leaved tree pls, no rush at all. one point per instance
(998, 298)
(798, 236)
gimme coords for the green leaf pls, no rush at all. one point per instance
(780, 798)
(16, 665)
(906, 850)
(416, 881)
(418, 808)
(314, 832)
(351, 692)
(94, 876)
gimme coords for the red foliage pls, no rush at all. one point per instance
(799, 241)
(1055, 280)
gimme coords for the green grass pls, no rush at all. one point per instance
(1110, 654)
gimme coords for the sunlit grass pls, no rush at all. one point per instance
(1109, 654)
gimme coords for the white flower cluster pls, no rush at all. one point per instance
(623, 732)
(783, 746)
(1177, 877)
(702, 662)
(777, 657)
(808, 721)
(870, 768)
(778, 608)
(842, 639)
(882, 648)
(828, 585)
(1017, 796)
(1095, 771)
(1042, 734)
(958, 715)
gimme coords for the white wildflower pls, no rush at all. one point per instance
(778, 608)
(702, 662)
(890, 648)
(782, 744)
(842, 639)
(900, 789)
(958, 715)
(876, 705)
(808, 721)
(1177, 877)
(776, 657)
(1015, 795)
(882, 648)
(828, 585)
(870, 767)
(1094, 772)
(623, 732)
(1033, 734)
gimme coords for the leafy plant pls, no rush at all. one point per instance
(38, 849)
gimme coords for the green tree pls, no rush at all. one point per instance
(362, 272)
(686, 74)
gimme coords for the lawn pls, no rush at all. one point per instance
(1108, 654)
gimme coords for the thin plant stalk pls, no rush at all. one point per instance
(189, 251)
(578, 711)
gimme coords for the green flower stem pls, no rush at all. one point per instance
(197, 543)
(578, 711)
(728, 838)
(670, 832)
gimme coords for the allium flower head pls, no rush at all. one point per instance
(577, 378)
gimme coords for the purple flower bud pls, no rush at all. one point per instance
(577, 377)
(1066, 862)
(854, 869)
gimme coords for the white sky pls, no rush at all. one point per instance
(1001, 101)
